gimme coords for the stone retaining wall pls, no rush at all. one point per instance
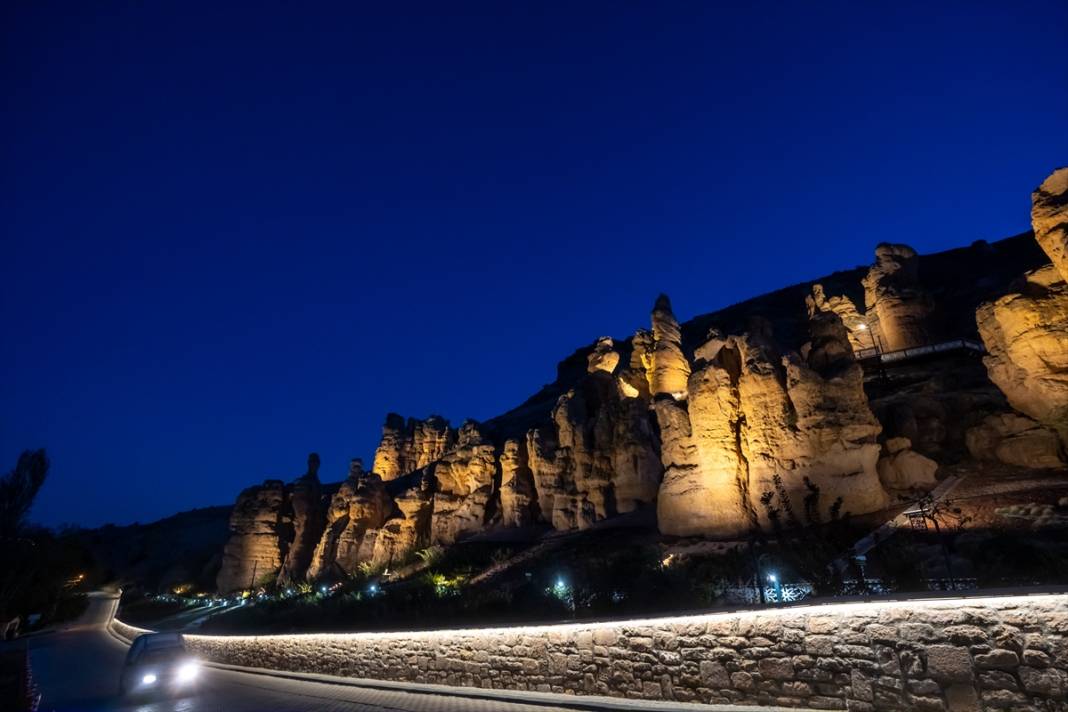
(965, 654)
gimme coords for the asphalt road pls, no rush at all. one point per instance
(77, 670)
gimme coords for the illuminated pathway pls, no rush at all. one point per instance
(77, 669)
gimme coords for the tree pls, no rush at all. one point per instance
(19, 559)
(18, 489)
(809, 547)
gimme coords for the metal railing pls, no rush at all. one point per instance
(876, 354)
(798, 591)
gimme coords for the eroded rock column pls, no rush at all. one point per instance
(1026, 333)
(897, 307)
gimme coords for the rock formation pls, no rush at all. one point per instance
(604, 356)
(635, 379)
(407, 530)
(598, 458)
(1049, 219)
(704, 487)
(409, 445)
(1026, 332)
(897, 307)
(702, 421)
(904, 469)
(518, 496)
(754, 414)
(360, 505)
(465, 479)
(1014, 440)
(859, 334)
(305, 505)
(254, 553)
(670, 369)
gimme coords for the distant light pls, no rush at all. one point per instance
(373, 588)
(771, 577)
(560, 583)
(862, 327)
(148, 679)
(323, 589)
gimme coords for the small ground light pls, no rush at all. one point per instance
(778, 589)
(373, 588)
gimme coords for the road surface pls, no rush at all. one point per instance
(77, 670)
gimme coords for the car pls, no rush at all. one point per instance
(159, 663)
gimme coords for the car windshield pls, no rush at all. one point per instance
(162, 655)
(158, 648)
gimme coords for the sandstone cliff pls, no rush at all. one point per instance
(755, 414)
(409, 445)
(361, 505)
(897, 306)
(306, 514)
(254, 552)
(695, 421)
(1026, 331)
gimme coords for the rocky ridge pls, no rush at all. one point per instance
(695, 422)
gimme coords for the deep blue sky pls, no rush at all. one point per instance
(234, 235)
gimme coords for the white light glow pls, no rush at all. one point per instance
(825, 609)
(149, 679)
(188, 672)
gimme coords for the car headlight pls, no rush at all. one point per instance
(148, 679)
(188, 671)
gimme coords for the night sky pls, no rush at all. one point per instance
(231, 236)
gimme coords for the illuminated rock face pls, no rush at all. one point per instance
(604, 356)
(409, 445)
(305, 504)
(670, 369)
(897, 307)
(753, 414)
(598, 459)
(702, 492)
(635, 380)
(856, 327)
(1049, 219)
(518, 495)
(407, 530)
(253, 555)
(1026, 333)
(465, 479)
(360, 505)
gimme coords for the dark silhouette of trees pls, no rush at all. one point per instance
(18, 489)
(808, 545)
(38, 567)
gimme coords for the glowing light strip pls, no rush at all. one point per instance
(826, 609)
